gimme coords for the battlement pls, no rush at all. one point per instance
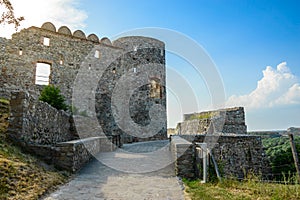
(127, 42)
(65, 31)
(37, 56)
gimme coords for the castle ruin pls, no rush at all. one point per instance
(62, 53)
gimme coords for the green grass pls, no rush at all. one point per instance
(207, 115)
(4, 101)
(21, 175)
(241, 190)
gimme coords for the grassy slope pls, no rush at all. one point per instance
(21, 177)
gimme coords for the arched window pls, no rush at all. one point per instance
(155, 88)
(42, 73)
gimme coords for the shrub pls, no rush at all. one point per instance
(52, 96)
(279, 152)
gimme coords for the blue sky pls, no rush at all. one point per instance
(241, 37)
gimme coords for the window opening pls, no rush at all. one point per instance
(97, 54)
(46, 41)
(42, 73)
(155, 88)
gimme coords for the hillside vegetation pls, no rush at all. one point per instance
(21, 176)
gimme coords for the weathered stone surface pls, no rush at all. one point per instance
(64, 30)
(93, 38)
(229, 120)
(49, 26)
(67, 54)
(73, 155)
(236, 155)
(79, 34)
(183, 155)
(37, 123)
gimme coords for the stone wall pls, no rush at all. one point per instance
(104, 62)
(236, 155)
(37, 123)
(73, 155)
(184, 157)
(50, 134)
(230, 120)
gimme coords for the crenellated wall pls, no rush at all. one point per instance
(68, 53)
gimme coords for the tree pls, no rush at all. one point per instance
(8, 16)
(280, 155)
(52, 96)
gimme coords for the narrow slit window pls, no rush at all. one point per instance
(42, 73)
(61, 59)
(20, 51)
(46, 41)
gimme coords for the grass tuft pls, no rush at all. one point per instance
(21, 176)
(239, 190)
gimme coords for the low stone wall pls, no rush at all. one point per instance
(183, 155)
(236, 155)
(230, 120)
(72, 155)
(51, 134)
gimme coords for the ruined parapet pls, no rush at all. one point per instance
(198, 123)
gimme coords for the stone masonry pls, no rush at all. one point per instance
(236, 155)
(225, 133)
(68, 53)
(50, 133)
(230, 120)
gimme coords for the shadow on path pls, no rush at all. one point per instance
(136, 171)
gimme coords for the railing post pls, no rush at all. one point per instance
(203, 153)
(295, 155)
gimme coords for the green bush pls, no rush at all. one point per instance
(280, 155)
(52, 96)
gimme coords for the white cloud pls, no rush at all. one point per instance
(277, 87)
(36, 12)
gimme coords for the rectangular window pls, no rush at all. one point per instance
(42, 73)
(155, 89)
(97, 54)
(46, 41)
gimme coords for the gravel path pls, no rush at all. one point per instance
(137, 171)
